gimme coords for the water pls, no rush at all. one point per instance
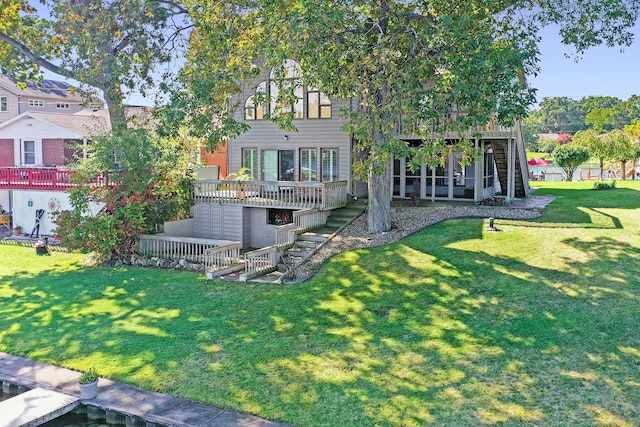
(92, 416)
(10, 390)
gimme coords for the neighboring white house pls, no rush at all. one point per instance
(42, 129)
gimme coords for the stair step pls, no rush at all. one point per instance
(298, 254)
(311, 236)
(272, 277)
(303, 243)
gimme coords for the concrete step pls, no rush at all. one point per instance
(308, 244)
(272, 277)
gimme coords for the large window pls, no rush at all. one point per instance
(4, 104)
(287, 78)
(318, 105)
(250, 160)
(308, 164)
(29, 152)
(254, 106)
(277, 165)
(329, 164)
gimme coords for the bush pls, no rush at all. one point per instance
(603, 185)
(569, 157)
(147, 183)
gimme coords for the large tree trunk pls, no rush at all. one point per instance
(379, 209)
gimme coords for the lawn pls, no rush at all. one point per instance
(537, 324)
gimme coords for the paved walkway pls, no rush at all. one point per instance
(151, 406)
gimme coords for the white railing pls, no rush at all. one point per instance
(222, 257)
(174, 247)
(273, 194)
(261, 261)
(286, 234)
(309, 218)
(492, 128)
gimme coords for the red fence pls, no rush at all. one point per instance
(35, 179)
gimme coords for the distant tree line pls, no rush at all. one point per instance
(600, 127)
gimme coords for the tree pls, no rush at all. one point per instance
(403, 62)
(569, 157)
(147, 183)
(623, 148)
(597, 145)
(112, 46)
(564, 138)
(561, 114)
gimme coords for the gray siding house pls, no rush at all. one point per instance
(311, 169)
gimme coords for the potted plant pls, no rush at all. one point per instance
(243, 175)
(88, 383)
(17, 230)
(41, 247)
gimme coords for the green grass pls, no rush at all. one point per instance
(537, 324)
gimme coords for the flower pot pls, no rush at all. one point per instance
(41, 250)
(88, 391)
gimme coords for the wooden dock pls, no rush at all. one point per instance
(35, 407)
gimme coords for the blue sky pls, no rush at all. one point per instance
(602, 71)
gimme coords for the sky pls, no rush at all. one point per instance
(602, 71)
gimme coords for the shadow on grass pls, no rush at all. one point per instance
(583, 207)
(416, 333)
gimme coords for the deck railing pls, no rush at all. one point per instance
(174, 247)
(273, 194)
(35, 178)
(222, 257)
(261, 261)
(285, 235)
(308, 219)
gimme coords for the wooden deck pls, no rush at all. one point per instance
(35, 179)
(273, 194)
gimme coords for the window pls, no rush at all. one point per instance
(4, 104)
(62, 106)
(288, 78)
(36, 103)
(29, 152)
(308, 164)
(488, 169)
(277, 165)
(329, 164)
(254, 106)
(318, 105)
(250, 160)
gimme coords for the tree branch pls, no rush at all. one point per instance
(24, 50)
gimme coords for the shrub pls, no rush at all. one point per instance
(603, 185)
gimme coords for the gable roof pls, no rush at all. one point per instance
(82, 125)
(50, 89)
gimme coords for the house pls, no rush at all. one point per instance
(308, 173)
(42, 129)
(45, 96)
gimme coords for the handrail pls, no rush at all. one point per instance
(260, 261)
(286, 234)
(273, 194)
(222, 257)
(35, 178)
(174, 247)
(309, 218)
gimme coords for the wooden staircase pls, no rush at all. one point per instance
(520, 169)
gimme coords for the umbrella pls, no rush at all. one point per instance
(537, 161)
